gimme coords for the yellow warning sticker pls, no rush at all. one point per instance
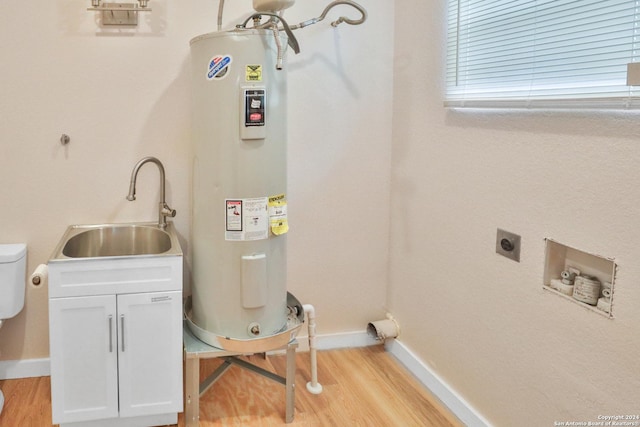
(278, 214)
(254, 73)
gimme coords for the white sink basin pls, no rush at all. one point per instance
(116, 240)
(115, 259)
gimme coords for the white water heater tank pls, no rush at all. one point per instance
(239, 224)
(272, 5)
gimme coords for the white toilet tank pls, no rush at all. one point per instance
(13, 270)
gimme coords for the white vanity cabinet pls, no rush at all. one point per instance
(116, 359)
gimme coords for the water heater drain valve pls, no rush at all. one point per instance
(254, 329)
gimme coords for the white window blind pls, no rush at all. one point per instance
(546, 53)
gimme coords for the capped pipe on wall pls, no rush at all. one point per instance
(384, 329)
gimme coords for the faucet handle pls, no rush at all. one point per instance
(167, 211)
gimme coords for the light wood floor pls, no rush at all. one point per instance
(362, 387)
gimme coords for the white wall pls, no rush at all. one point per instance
(516, 353)
(124, 94)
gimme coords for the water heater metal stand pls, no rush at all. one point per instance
(194, 350)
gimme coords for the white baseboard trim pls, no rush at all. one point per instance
(334, 341)
(452, 400)
(343, 340)
(12, 369)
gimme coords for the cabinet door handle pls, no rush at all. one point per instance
(122, 330)
(110, 334)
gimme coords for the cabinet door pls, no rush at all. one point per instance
(150, 353)
(84, 366)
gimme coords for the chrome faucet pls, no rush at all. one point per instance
(163, 209)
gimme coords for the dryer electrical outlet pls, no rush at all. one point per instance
(508, 244)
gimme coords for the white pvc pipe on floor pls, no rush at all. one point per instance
(313, 386)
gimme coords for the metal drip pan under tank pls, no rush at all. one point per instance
(295, 320)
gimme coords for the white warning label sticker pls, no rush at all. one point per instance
(247, 219)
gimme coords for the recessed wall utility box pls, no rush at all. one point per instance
(119, 14)
(581, 277)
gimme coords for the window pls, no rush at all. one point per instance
(542, 53)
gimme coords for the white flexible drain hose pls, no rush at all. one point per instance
(276, 36)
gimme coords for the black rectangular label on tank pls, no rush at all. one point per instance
(254, 107)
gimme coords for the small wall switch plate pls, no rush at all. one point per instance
(508, 244)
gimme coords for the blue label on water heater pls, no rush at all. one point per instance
(218, 67)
